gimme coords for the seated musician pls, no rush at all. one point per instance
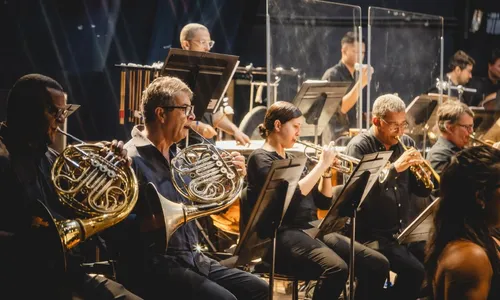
(298, 254)
(196, 37)
(35, 108)
(459, 73)
(456, 124)
(182, 269)
(384, 212)
(462, 260)
(487, 87)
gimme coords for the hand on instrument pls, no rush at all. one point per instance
(409, 158)
(364, 75)
(205, 130)
(241, 138)
(328, 156)
(239, 162)
(117, 147)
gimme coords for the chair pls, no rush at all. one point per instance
(263, 269)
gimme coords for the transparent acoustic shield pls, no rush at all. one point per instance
(405, 50)
(305, 36)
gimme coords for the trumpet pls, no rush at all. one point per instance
(344, 163)
(479, 141)
(422, 170)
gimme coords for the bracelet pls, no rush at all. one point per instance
(197, 123)
(330, 176)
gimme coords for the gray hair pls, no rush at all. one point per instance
(387, 103)
(188, 31)
(161, 92)
(450, 111)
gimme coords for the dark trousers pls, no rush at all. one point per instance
(327, 261)
(168, 277)
(409, 269)
(99, 287)
(82, 287)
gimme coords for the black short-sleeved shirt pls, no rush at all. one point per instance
(302, 209)
(340, 122)
(484, 87)
(385, 211)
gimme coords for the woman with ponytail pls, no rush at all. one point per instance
(326, 259)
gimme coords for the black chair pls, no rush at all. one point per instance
(263, 269)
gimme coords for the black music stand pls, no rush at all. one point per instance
(422, 115)
(266, 216)
(349, 200)
(420, 228)
(318, 100)
(207, 74)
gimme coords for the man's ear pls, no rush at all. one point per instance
(376, 121)
(160, 114)
(185, 45)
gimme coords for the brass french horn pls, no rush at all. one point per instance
(201, 173)
(96, 185)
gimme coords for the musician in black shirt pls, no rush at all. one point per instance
(35, 108)
(486, 87)
(384, 213)
(459, 73)
(298, 254)
(346, 117)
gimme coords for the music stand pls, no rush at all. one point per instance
(419, 229)
(318, 100)
(350, 199)
(266, 216)
(207, 74)
(422, 114)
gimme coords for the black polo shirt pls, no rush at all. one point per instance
(484, 87)
(385, 210)
(341, 122)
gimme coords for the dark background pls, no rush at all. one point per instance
(78, 43)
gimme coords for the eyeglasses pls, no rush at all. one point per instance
(61, 113)
(393, 126)
(188, 109)
(205, 43)
(467, 127)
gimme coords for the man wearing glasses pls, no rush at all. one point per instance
(182, 268)
(456, 124)
(384, 212)
(35, 108)
(196, 37)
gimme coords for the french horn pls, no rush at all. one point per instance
(92, 183)
(201, 173)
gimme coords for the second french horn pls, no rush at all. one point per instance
(203, 174)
